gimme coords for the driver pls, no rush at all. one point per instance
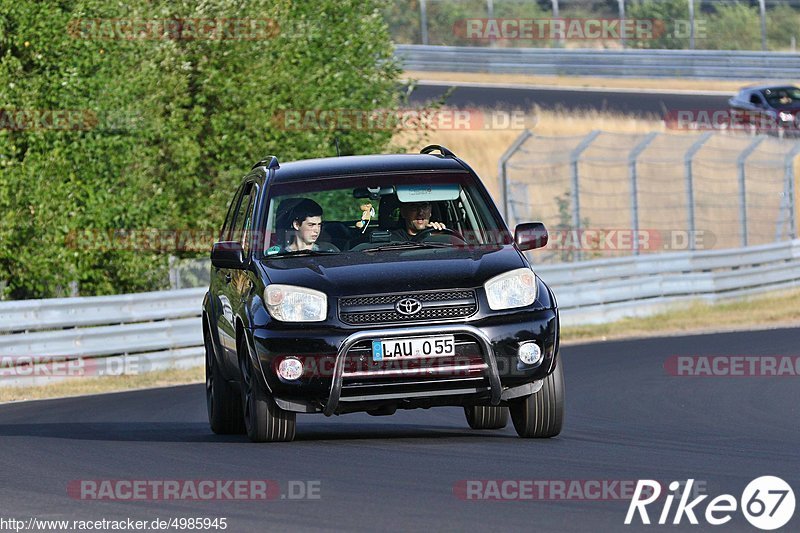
(416, 217)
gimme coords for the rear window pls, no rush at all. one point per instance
(355, 214)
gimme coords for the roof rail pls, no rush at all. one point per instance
(433, 147)
(270, 162)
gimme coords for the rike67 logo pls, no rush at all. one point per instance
(767, 503)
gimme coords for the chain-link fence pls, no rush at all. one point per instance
(610, 194)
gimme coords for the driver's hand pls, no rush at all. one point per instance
(437, 225)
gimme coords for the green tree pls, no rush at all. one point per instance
(171, 124)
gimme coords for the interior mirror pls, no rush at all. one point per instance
(530, 235)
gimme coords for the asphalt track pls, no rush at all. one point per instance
(614, 100)
(626, 420)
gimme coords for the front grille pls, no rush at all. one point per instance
(380, 308)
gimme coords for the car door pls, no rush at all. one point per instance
(759, 105)
(221, 278)
(239, 281)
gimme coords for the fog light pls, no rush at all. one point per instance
(290, 369)
(530, 353)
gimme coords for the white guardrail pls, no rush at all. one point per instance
(720, 64)
(602, 290)
(162, 330)
(124, 334)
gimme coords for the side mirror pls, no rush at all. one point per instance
(228, 254)
(530, 235)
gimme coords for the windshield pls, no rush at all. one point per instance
(782, 96)
(377, 213)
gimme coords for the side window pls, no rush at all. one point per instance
(225, 233)
(244, 214)
(755, 99)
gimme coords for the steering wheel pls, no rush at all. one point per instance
(424, 234)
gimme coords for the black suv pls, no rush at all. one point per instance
(372, 283)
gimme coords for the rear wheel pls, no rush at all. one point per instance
(486, 417)
(223, 401)
(541, 414)
(264, 421)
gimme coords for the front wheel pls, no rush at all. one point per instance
(541, 414)
(264, 421)
(486, 417)
(222, 399)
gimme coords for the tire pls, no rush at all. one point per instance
(486, 417)
(541, 415)
(263, 420)
(223, 400)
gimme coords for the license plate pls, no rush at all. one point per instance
(414, 346)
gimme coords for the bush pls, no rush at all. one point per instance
(733, 27)
(672, 32)
(783, 23)
(171, 127)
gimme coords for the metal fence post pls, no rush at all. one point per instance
(559, 41)
(575, 189)
(790, 190)
(688, 159)
(423, 20)
(763, 12)
(621, 8)
(503, 171)
(740, 163)
(632, 156)
(691, 24)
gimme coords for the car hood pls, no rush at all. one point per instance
(354, 273)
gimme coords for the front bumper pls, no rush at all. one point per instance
(340, 376)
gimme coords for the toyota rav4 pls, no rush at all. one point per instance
(376, 283)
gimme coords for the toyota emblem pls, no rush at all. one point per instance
(408, 306)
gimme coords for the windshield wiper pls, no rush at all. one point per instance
(408, 244)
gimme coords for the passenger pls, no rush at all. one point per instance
(307, 224)
(416, 217)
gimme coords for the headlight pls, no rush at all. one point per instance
(516, 288)
(786, 117)
(295, 304)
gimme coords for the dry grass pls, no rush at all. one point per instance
(97, 385)
(583, 81)
(769, 310)
(482, 149)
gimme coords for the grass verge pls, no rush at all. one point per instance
(583, 81)
(97, 385)
(764, 311)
